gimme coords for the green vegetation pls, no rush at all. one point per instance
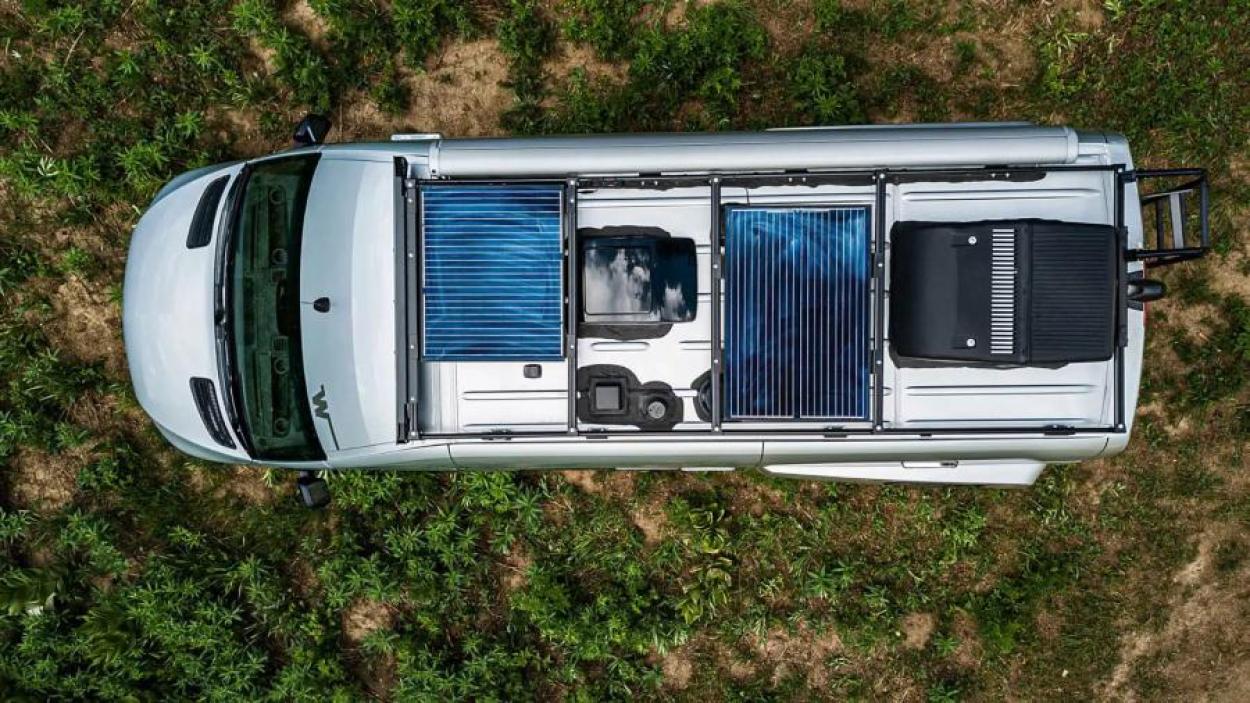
(129, 572)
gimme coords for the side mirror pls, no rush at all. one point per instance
(311, 130)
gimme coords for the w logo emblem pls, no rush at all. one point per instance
(321, 408)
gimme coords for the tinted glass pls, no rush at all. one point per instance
(638, 279)
(264, 310)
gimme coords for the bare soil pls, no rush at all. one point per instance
(568, 57)
(44, 481)
(364, 617)
(918, 630)
(361, 619)
(461, 93)
(1202, 648)
(302, 17)
(967, 654)
(609, 484)
(804, 650)
(515, 566)
(677, 668)
(87, 325)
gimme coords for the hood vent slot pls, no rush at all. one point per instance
(206, 402)
(1003, 291)
(201, 232)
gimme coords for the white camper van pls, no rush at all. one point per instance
(954, 304)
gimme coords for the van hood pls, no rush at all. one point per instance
(167, 317)
(348, 256)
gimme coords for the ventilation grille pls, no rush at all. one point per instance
(201, 232)
(1003, 291)
(796, 313)
(205, 395)
(493, 287)
(1072, 293)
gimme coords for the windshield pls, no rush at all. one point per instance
(262, 325)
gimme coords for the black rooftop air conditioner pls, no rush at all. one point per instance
(1003, 291)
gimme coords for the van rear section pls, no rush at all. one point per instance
(955, 304)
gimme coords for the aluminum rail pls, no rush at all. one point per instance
(886, 146)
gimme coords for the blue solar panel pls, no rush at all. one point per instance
(492, 282)
(796, 313)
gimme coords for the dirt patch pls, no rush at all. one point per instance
(585, 480)
(1158, 412)
(917, 629)
(650, 520)
(568, 57)
(248, 484)
(43, 481)
(364, 617)
(804, 649)
(648, 516)
(268, 57)
(361, 619)
(676, 15)
(1088, 14)
(967, 654)
(609, 484)
(1049, 625)
(1003, 33)
(104, 414)
(301, 17)
(303, 578)
(1239, 168)
(104, 238)
(1194, 571)
(1194, 319)
(1229, 278)
(558, 510)
(760, 498)
(86, 325)
(461, 93)
(677, 668)
(241, 130)
(1201, 649)
(515, 566)
(740, 668)
(790, 25)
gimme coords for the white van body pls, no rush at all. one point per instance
(659, 301)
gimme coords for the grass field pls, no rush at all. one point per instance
(129, 572)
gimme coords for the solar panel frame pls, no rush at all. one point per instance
(493, 274)
(797, 309)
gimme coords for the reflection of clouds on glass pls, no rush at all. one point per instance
(618, 282)
(675, 304)
(640, 281)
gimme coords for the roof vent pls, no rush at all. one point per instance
(205, 213)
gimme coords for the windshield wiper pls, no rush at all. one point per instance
(221, 308)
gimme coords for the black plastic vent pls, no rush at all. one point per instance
(1072, 294)
(206, 402)
(1003, 291)
(205, 213)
